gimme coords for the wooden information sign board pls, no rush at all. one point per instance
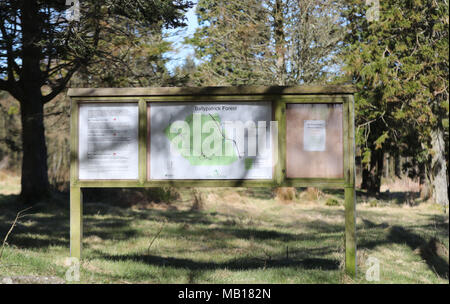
(214, 136)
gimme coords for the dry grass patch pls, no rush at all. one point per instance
(238, 236)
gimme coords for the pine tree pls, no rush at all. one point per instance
(41, 49)
(399, 64)
(233, 42)
(273, 42)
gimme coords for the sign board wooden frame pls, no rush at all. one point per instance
(280, 97)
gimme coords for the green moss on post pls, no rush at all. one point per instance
(350, 232)
(142, 141)
(76, 222)
(350, 194)
(280, 160)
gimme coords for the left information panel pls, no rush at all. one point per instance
(108, 141)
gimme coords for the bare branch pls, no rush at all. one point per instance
(19, 215)
(62, 84)
(156, 235)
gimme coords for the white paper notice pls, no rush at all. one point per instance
(108, 141)
(314, 135)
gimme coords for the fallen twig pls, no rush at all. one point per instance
(156, 235)
(18, 216)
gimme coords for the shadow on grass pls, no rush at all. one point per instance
(428, 250)
(395, 197)
(38, 229)
(48, 225)
(431, 251)
(401, 197)
(243, 263)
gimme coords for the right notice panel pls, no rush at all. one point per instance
(314, 141)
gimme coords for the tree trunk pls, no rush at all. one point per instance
(35, 185)
(391, 166)
(439, 167)
(398, 165)
(280, 42)
(371, 177)
(425, 190)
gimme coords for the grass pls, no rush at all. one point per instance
(237, 236)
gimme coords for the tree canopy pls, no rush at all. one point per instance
(399, 64)
(272, 42)
(41, 49)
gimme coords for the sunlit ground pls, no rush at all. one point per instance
(243, 236)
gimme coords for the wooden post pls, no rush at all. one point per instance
(280, 118)
(76, 196)
(142, 141)
(350, 232)
(350, 194)
(76, 221)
